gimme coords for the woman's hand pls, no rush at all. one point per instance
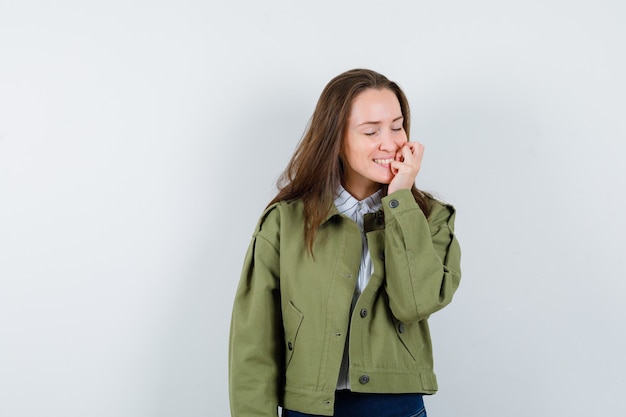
(406, 166)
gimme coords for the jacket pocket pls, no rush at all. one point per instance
(409, 336)
(292, 319)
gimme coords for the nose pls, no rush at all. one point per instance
(389, 143)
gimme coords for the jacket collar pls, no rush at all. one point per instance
(372, 201)
(332, 212)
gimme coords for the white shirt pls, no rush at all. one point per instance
(355, 209)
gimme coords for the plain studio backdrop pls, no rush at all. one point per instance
(140, 141)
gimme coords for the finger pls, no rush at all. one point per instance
(407, 153)
(411, 145)
(419, 150)
(394, 166)
(419, 154)
(416, 147)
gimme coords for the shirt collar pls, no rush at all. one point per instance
(347, 204)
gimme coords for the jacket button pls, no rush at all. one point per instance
(382, 255)
(364, 312)
(401, 327)
(394, 203)
(364, 379)
(289, 346)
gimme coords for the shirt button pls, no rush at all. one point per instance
(394, 203)
(364, 379)
(364, 312)
(401, 327)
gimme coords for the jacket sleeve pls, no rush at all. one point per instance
(255, 347)
(422, 257)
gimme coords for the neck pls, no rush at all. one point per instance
(361, 193)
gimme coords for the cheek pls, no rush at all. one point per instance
(358, 151)
(401, 140)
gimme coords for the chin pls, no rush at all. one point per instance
(384, 181)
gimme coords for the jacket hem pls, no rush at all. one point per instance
(311, 401)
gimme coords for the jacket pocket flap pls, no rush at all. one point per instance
(292, 319)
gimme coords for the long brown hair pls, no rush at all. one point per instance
(316, 168)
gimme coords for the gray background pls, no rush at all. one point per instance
(140, 141)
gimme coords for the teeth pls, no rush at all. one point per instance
(384, 161)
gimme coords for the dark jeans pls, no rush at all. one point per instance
(354, 404)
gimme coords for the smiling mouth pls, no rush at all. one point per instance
(384, 161)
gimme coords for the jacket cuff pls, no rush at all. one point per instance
(399, 201)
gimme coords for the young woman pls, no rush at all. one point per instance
(345, 266)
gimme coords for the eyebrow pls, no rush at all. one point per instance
(378, 122)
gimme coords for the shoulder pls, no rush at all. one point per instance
(436, 202)
(440, 211)
(279, 215)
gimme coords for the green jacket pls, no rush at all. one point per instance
(292, 311)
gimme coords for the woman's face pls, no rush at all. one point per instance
(374, 135)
